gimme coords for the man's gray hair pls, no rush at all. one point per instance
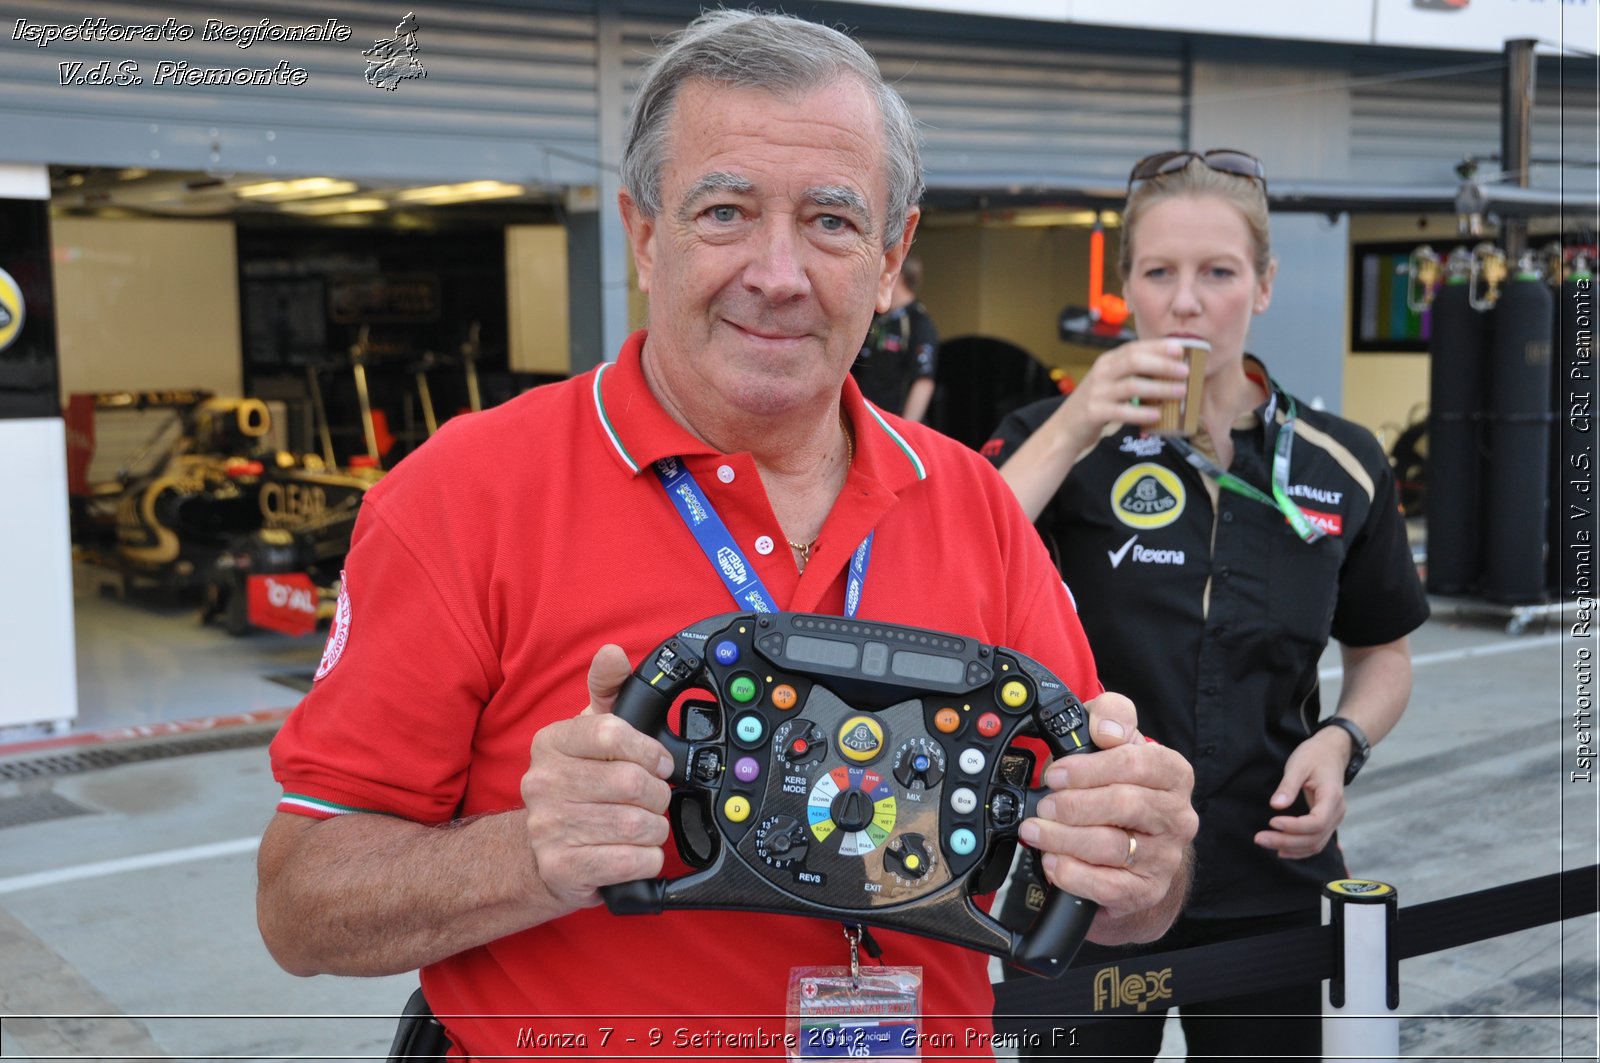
(776, 53)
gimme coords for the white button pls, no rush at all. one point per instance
(725, 473)
(963, 800)
(972, 761)
(763, 544)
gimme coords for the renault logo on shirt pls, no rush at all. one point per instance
(1147, 496)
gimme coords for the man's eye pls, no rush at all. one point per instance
(724, 213)
(833, 223)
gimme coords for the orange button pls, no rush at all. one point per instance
(947, 720)
(784, 696)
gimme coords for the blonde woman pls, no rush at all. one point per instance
(1210, 572)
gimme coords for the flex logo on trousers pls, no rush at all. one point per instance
(1143, 554)
(1113, 991)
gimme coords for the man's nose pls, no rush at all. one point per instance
(777, 261)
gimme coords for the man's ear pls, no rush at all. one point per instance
(894, 258)
(641, 231)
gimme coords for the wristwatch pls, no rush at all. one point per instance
(1360, 749)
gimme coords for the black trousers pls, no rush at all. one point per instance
(1282, 1024)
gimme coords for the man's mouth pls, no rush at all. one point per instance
(767, 333)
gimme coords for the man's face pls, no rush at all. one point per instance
(767, 260)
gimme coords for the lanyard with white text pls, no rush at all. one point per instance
(738, 575)
(1280, 499)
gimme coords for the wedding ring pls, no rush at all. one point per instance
(1133, 849)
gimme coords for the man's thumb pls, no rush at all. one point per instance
(607, 672)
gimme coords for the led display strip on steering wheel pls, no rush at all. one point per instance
(856, 771)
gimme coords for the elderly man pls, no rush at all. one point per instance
(448, 806)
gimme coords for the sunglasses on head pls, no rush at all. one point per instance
(1222, 160)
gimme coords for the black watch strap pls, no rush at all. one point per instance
(1360, 749)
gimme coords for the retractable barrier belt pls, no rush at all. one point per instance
(1249, 965)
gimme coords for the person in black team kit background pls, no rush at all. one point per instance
(1209, 595)
(896, 365)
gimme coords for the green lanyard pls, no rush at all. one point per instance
(1279, 499)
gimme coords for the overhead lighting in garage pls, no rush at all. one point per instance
(459, 193)
(353, 205)
(1072, 219)
(304, 188)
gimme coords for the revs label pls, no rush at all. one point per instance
(1147, 496)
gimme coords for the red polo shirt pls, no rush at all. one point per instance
(484, 573)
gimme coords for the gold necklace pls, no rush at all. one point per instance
(804, 549)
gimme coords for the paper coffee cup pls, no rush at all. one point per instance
(1181, 417)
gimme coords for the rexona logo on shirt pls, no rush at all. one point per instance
(1147, 496)
(1144, 555)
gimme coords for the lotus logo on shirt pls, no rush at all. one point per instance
(1147, 496)
(697, 512)
(731, 565)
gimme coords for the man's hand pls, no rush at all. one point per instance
(1316, 768)
(596, 795)
(1118, 826)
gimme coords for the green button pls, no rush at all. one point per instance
(742, 689)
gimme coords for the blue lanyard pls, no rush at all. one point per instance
(737, 573)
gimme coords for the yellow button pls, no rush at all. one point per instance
(784, 696)
(947, 720)
(912, 863)
(860, 738)
(1014, 694)
(736, 808)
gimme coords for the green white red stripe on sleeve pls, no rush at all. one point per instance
(315, 807)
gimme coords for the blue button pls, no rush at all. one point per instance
(962, 841)
(920, 762)
(727, 652)
(749, 728)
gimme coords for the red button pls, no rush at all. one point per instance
(799, 746)
(988, 725)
